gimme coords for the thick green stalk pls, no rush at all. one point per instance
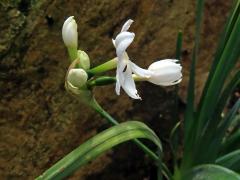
(106, 80)
(72, 52)
(107, 66)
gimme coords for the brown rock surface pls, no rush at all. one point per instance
(40, 122)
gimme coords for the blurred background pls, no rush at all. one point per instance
(40, 122)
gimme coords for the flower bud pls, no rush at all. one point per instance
(69, 33)
(84, 60)
(77, 77)
(165, 72)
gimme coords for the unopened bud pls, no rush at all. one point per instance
(69, 33)
(77, 77)
(84, 60)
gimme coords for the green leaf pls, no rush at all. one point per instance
(98, 145)
(221, 45)
(228, 90)
(175, 140)
(213, 143)
(211, 172)
(213, 135)
(229, 57)
(189, 124)
(231, 143)
(231, 161)
(179, 45)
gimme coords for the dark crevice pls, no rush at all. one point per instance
(24, 6)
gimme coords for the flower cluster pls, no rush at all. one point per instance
(163, 72)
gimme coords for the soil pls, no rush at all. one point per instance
(40, 122)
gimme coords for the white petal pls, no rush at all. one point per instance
(123, 36)
(163, 63)
(127, 25)
(113, 41)
(129, 84)
(170, 83)
(123, 42)
(165, 72)
(168, 74)
(66, 22)
(114, 44)
(118, 86)
(140, 71)
(69, 33)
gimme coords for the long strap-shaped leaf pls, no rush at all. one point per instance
(189, 117)
(231, 143)
(98, 145)
(231, 161)
(228, 59)
(218, 126)
(221, 45)
(213, 147)
(211, 172)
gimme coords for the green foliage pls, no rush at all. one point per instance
(98, 145)
(204, 127)
(231, 160)
(211, 172)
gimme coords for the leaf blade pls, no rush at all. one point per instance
(97, 145)
(211, 172)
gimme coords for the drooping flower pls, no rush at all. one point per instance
(125, 67)
(69, 33)
(165, 72)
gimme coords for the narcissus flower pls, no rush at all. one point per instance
(165, 72)
(125, 67)
(77, 77)
(69, 33)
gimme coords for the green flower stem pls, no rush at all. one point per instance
(138, 78)
(94, 104)
(72, 52)
(106, 80)
(107, 66)
(101, 81)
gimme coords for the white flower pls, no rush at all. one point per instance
(125, 68)
(165, 72)
(77, 77)
(69, 33)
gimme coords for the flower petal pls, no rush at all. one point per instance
(140, 71)
(69, 32)
(165, 72)
(129, 84)
(124, 36)
(163, 63)
(66, 22)
(127, 25)
(122, 42)
(113, 41)
(170, 83)
(118, 86)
